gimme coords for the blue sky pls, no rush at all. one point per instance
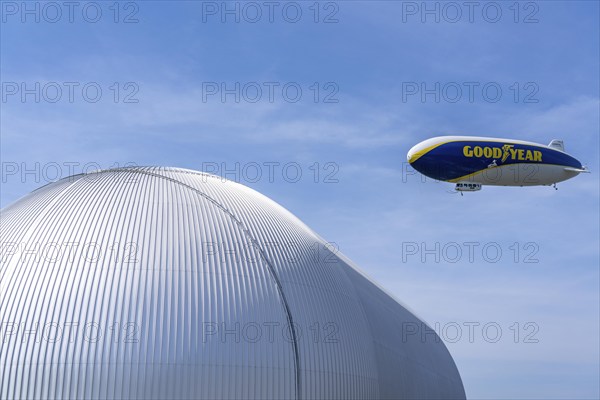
(545, 60)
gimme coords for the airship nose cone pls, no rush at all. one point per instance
(412, 153)
(417, 151)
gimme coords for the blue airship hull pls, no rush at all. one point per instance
(492, 161)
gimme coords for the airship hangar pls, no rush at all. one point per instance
(151, 282)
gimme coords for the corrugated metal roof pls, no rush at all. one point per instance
(149, 282)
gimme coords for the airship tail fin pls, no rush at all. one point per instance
(582, 169)
(557, 144)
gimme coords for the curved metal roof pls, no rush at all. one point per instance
(154, 282)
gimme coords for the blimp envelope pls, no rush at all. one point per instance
(479, 161)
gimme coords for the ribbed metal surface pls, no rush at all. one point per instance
(176, 284)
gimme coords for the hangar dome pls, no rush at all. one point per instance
(150, 282)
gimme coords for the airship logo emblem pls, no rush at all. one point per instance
(506, 152)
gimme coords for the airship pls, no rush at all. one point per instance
(471, 162)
